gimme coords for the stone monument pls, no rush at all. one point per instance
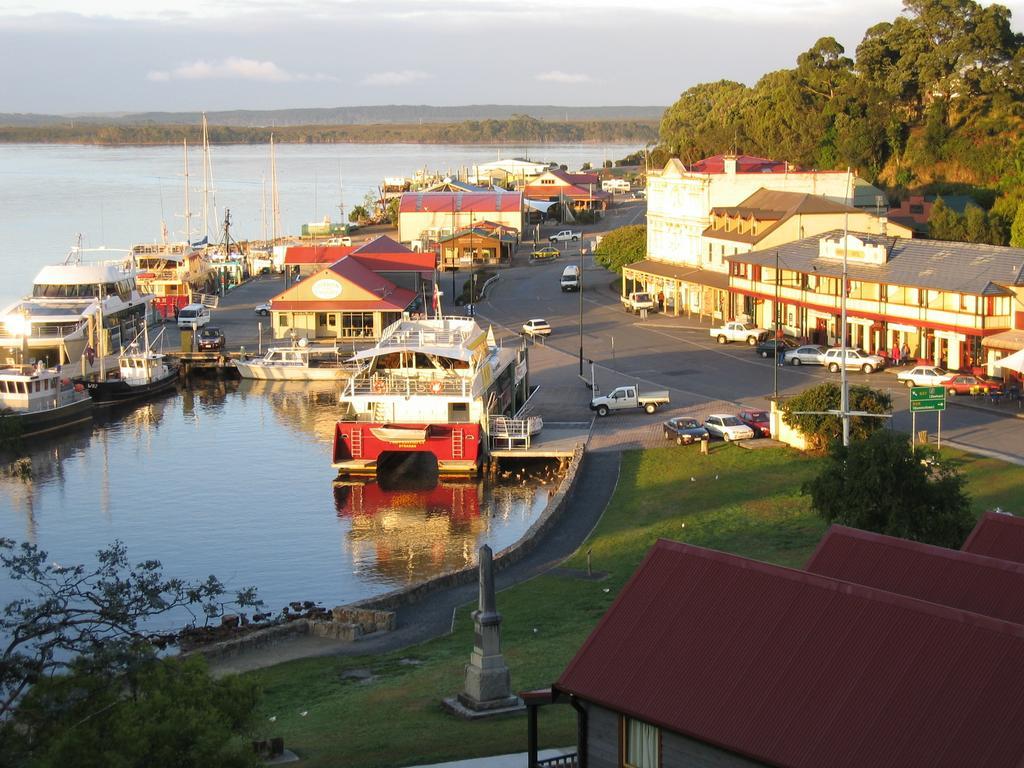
(487, 689)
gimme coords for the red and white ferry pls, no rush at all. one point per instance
(429, 385)
(172, 272)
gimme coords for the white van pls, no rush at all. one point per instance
(570, 278)
(193, 315)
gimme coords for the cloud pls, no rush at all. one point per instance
(557, 76)
(402, 77)
(234, 68)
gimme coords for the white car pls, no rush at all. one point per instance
(727, 427)
(808, 354)
(856, 359)
(537, 327)
(923, 376)
(262, 309)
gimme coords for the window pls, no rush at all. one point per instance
(282, 320)
(641, 742)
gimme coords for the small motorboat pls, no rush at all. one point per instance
(38, 401)
(141, 373)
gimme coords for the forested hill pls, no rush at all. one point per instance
(933, 96)
(366, 115)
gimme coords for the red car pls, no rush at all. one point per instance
(759, 421)
(965, 384)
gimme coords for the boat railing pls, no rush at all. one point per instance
(378, 384)
(37, 333)
(508, 432)
(152, 275)
(405, 333)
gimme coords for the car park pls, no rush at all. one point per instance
(262, 309)
(537, 327)
(728, 427)
(923, 376)
(808, 354)
(855, 359)
(547, 252)
(684, 430)
(759, 421)
(966, 384)
(771, 347)
(210, 339)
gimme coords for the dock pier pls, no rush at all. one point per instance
(219, 364)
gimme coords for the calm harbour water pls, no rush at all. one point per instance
(118, 196)
(234, 479)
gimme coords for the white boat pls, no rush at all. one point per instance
(38, 401)
(299, 362)
(141, 373)
(78, 308)
(432, 386)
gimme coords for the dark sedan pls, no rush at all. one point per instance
(771, 347)
(759, 421)
(685, 430)
(210, 339)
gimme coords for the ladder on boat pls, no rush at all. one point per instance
(458, 444)
(356, 442)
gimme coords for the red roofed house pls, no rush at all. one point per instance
(426, 217)
(307, 259)
(581, 190)
(709, 659)
(997, 535)
(985, 585)
(356, 297)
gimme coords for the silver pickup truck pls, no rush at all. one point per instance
(626, 398)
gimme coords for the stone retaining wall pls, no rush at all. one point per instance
(506, 557)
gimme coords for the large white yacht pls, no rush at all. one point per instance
(70, 304)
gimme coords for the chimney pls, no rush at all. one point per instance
(729, 162)
(883, 224)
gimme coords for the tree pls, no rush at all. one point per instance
(90, 620)
(358, 215)
(804, 412)
(944, 223)
(159, 712)
(622, 246)
(1017, 230)
(882, 484)
(976, 227)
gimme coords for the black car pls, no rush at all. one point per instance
(210, 339)
(685, 430)
(771, 347)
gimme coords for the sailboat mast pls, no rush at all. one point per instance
(206, 179)
(263, 207)
(188, 211)
(341, 195)
(274, 200)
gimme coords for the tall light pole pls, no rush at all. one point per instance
(582, 246)
(844, 402)
(775, 328)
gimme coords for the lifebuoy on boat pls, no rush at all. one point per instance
(379, 385)
(435, 387)
(420, 387)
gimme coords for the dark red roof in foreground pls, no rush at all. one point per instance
(316, 254)
(950, 577)
(795, 669)
(382, 254)
(997, 535)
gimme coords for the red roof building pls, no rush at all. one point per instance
(950, 577)
(997, 535)
(740, 164)
(424, 217)
(315, 255)
(707, 658)
(581, 190)
(386, 256)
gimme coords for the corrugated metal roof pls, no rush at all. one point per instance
(442, 202)
(316, 254)
(935, 264)
(383, 254)
(950, 577)
(997, 535)
(744, 164)
(796, 669)
(682, 272)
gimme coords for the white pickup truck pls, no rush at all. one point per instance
(565, 236)
(738, 332)
(638, 300)
(626, 398)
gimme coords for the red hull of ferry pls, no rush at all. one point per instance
(358, 445)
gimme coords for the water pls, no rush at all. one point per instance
(233, 479)
(118, 196)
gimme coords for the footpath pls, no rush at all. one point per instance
(432, 616)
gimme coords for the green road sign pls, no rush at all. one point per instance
(927, 399)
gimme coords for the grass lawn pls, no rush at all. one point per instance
(745, 502)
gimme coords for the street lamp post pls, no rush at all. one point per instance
(582, 246)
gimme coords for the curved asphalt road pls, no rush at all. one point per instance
(432, 616)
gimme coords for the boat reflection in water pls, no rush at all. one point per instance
(408, 525)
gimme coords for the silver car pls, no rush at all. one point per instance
(855, 359)
(809, 354)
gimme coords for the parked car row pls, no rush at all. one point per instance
(744, 426)
(953, 383)
(815, 354)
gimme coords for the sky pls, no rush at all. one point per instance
(184, 55)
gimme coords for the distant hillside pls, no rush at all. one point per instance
(376, 115)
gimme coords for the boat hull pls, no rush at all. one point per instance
(358, 445)
(253, 370)
(116, 391)
(43, 422)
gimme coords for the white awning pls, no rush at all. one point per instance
(539, 205)
(1014, 362)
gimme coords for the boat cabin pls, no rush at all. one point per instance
(31, 389)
